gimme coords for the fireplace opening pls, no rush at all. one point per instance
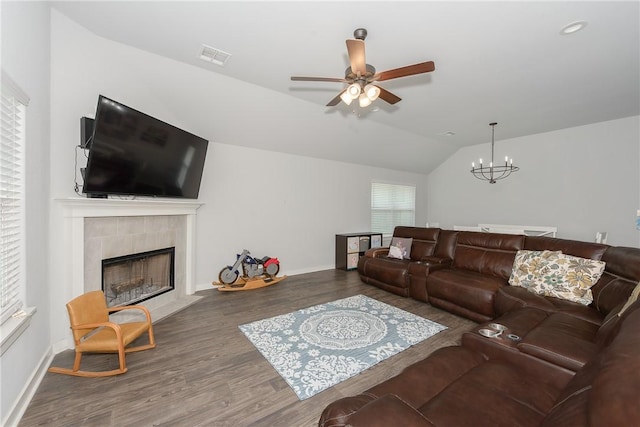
(133, 278)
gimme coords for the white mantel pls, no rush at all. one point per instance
(68, 246)
(87, 207)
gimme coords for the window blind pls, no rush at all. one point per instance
(13, 105)
(392, 205)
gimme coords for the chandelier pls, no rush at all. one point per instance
(493, 172)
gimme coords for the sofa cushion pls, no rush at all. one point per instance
(605, 391)
(415, 385)
(554, 274)
(621, 275)
(424, 240)
(486, 253)
(386, 411)
(420, 382)
(492, 394)
(392, 272)
(571, 247)
(510, 298)
(562, 340)
(467, 289)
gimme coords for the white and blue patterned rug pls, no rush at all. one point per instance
(317, 347)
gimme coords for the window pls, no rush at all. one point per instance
(12, 143)
(392, 205)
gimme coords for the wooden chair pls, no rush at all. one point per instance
(94, 333)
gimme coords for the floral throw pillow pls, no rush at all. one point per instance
(554, 274)
(528, 265)
(400, 247)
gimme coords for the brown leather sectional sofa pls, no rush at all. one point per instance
(556, 363)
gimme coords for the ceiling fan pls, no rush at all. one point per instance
(361, 76)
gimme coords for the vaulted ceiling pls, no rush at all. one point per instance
(495, 61)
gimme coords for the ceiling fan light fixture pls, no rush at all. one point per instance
(372, 91)
(346, 98)
(353, 90)
(360, 76)
(364, 100)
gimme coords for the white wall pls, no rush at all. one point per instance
(271, 203)
(582, 180)
(284, 205)
(25, 57)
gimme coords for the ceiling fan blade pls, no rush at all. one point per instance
(409, 70)
(318, 79)
(385, 95)
(336, 100)
(355, 48)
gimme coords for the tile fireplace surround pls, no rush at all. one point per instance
(95, 229)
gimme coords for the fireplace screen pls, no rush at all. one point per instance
(133, 278)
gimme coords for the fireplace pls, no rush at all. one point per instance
(133, 278)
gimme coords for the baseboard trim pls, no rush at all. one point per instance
(29, 390)
(207, 286)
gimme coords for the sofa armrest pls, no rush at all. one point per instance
(389, 410)
(434, 260)
(338, 412)
(377, 252)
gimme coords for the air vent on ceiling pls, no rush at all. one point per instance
(211, 54)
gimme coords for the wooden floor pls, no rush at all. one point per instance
(204, 372)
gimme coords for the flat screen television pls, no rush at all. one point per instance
(132, 153)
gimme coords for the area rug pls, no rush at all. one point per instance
(317, 347)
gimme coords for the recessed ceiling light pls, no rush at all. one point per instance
(573, 27)
(447, 133)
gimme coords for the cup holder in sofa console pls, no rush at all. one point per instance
(497, 327)
(489, 333)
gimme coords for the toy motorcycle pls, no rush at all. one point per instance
(251, 267)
